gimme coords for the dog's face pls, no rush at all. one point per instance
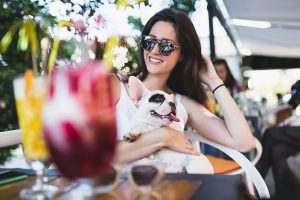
(157, 106)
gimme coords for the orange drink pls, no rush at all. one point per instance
(30, 96)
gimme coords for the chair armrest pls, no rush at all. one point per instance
(258, 147)
(245, 164)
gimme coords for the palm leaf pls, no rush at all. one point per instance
(6, 40)
(56, 42)
(128, 3)
(30, 32)
(53, 54)
(23, 39)
(30, 29)
(64, 23)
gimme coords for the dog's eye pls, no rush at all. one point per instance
(157, 98)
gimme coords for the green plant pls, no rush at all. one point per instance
(6, 153)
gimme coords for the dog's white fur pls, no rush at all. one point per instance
(143, 121)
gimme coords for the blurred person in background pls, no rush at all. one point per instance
(279, 143)
(225, 74)
(279, 98)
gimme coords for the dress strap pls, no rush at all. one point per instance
(122, 88)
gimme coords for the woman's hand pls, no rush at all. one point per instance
(176, 141)
(210, 76)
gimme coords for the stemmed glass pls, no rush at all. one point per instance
(30, 94)
(79, 120)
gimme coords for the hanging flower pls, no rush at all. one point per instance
(79, 26)
(120, 57)
(99, 20)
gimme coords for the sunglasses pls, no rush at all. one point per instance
(166, 47)
(141, 177)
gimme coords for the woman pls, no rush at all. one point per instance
(171, 60)
(226, 76)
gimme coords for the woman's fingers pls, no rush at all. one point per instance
(192, 152)
(177, 142)
(187, 143)
(189, 150)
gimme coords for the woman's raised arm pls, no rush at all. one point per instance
(233, 131)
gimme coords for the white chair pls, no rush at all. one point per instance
(8, 138)
(253, 160)
(246, 166)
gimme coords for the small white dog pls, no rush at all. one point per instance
(157, 109)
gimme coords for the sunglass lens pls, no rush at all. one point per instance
(147, 43)
(166, 48)
(107, 181)
(144, 174)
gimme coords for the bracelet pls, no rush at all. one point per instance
(217, 87)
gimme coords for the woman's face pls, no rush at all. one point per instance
(155, 62)
(221, 71)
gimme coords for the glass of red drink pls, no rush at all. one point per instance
(79, 120)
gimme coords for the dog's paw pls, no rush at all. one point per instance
(130, 137)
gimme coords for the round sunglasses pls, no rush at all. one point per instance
(166, 47)
(141, 177)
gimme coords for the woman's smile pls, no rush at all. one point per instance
(154, 60)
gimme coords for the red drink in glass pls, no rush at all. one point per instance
(79, 121)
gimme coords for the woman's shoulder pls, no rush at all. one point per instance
(190, 104)
(189, 100)
(197, 113)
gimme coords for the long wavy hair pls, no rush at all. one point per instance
(184, 78)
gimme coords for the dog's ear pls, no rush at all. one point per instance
(137, 89)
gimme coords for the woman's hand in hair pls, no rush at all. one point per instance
(210, 76)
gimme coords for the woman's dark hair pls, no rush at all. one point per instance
(184, 78)
(230, 81)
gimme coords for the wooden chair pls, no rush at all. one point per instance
(246, 166)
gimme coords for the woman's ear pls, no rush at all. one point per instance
(137, 89)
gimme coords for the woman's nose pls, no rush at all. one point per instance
(155, 50)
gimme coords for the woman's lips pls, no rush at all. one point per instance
(155, 60)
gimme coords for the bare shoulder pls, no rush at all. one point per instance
(199, 117)
(190, 103)
(193, 107)
(116, 86)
